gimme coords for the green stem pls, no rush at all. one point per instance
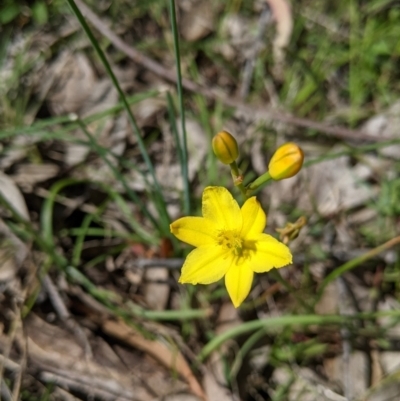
(186, 314)
(289, 320)
(269, 323)
(351, 264)
(185, 174)
(257, 183)
(136, 130)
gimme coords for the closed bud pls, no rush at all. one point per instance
(225, 147)
(286, 161)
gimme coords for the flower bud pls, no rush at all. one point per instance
(286, 161)
(225, 147)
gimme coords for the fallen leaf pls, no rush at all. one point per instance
(198, 21)
(61, 360)
(13, 195)
(385, 125)
(282, 13)
(27, 175)
(171, 358)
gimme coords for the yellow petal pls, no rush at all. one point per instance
(269, 253)
(254, 218)
(205, 265)
(220, 207)
(195, 231)
(238, 282)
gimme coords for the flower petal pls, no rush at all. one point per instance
(220, 207)
(195, 231)
(254, 218)
(205, 265)
(268, 253)
(238, 282)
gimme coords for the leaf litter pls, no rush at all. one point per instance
(103, 356)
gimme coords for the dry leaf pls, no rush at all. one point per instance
(198, 21)
(74, 79)
(62, 361)
(354, 373)
(385, 125)
(13, 195)
(171, 358)
(282, 13)
(27, 175)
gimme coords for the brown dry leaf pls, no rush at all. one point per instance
(282, 13)
(61, 360)
(385, 125)
(198, 21)
(147, 110)
(27, 175)
(13, 195)
(354, 373)
(171, 358)
(73, 80)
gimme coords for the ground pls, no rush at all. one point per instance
(93, 170)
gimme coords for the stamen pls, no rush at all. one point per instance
(230, 240)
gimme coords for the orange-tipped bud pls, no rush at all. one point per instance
(225, 147)
(286, 161)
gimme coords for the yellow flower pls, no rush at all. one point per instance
(230, 242)
(286, 161)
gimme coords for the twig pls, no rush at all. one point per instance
(63, 313)
(94, 388)
(55, 298)
(9, 364)
(257, 112)
(174, 263)
(5, 392)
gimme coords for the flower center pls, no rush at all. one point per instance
(230, 240)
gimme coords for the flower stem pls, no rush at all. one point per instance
(261, 180)
(237, 177)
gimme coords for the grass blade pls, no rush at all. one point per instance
(184, 162)
(163, 228)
